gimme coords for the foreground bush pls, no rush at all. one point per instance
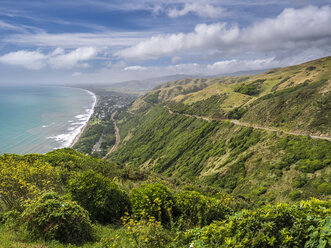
(24, 177)
(155, 200)
(197, 209)
(53, 218)
(147, 232)
(303, 224)
(102, 198)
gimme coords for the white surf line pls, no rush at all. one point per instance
(82, 128)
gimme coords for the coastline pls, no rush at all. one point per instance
(82, 128)
(54, 117)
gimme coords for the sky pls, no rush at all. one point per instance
(99, 41)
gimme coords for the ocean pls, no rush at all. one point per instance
(40, 119)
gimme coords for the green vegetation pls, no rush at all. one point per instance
(279, 225)
(154, 200)
(294, 98)
(251, 89)
(25, 177)
(206, 107)
(242, 160)
(153, 98)
(199, 210)
(162, 213)
(92, 135)
(99, 134)
(237, 113)
(53, 218)
(289, 107)
(104, 200)
(180, 180)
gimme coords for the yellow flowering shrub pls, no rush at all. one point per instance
(24, 178)
(146, 232)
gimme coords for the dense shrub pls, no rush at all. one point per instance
(295, 195)
(154, 200)
(147, 232)
(308, 155)
(205, 107)
(310, 68)
(152, 98)
(324, 188)
(320, 236)
(197, 209)
(249, 89)
(237, 113)
(310, 166)
(70, 159)
(104, 200)
(280, 225)
(53, 218)
(24, 177)
(299, 181)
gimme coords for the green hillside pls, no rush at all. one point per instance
(218, 162)
(260, 156)
(293, 98)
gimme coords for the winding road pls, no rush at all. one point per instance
(236, 122)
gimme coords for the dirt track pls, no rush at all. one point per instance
(236, 122)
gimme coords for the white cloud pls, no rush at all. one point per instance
(57, 59)
(72, 58)
(204, 37)
(29, 59)
(175, 59)
(116, 72)
(134, 68)
(233, 65)
(5, 25)
(199, 8)
(76, 74)
(74, 40)
(291, 29)
(57, 51)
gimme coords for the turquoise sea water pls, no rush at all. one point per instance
(40, 119)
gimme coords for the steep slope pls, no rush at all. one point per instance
(163, 131)
(294, 98)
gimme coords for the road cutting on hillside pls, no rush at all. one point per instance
(237, 122)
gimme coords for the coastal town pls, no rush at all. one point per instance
(99, 135)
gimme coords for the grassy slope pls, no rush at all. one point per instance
(305, 109)
(302, 102)
(254, 163)
(241, 160)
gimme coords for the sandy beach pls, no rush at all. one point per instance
(90, 115)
